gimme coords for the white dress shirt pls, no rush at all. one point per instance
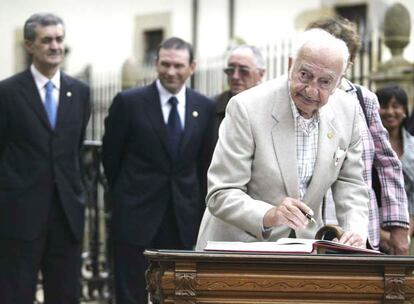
(41, 81)
(165, 95)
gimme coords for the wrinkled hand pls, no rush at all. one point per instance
(290, 212)
(351, 238)
(385, 241)
(398, 242)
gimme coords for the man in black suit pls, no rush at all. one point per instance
(43, 116)
(245, 69)
(156, 150)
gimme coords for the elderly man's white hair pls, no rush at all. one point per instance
(321, 39)
(257, 54)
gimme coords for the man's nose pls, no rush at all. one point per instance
(54, 44)
(171, 70)
(312, 89)
(236, 74)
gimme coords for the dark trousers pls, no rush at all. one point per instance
(130, 264)
(56, 254)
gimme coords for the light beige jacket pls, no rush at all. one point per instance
(254, 166)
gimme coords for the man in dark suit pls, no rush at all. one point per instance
(156, 150)
(245, 69)
(43, 116)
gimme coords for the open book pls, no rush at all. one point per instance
(288, 245)
(321, 244)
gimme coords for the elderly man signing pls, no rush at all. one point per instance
(282, 144)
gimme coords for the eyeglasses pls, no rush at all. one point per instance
(243, 71)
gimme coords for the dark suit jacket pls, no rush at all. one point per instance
(143, 177)
(34, 159)
(221, 101)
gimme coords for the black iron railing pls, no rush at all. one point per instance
(96, 268)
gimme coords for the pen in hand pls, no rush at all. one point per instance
(310, 217)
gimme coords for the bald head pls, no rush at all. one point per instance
(316, 68)
(319, 40)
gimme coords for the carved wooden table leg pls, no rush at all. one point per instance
(185, 283)
(394, 291)
(153, 277)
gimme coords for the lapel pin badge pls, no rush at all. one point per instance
(195, 114)
(330, 135)
(69, 94)
(338, 155)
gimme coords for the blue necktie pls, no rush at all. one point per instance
(50, 104)
(174, 127)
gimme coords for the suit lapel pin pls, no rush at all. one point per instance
(330, 135)
(338, 155)
(69, 94)
(195, 114)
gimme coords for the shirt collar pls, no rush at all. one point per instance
(165, 95)
(314, 119)
(41, 80)
(294, 109)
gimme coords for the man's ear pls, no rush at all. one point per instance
(339, 81)
(28, 46)
(262, 72)
(290, 60)
(193, 66)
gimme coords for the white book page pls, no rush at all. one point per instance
(299, 247)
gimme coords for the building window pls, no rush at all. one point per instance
(152, 40)
(357, 14)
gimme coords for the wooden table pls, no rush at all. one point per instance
(200, 277)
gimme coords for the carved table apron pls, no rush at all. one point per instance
(199, 277)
